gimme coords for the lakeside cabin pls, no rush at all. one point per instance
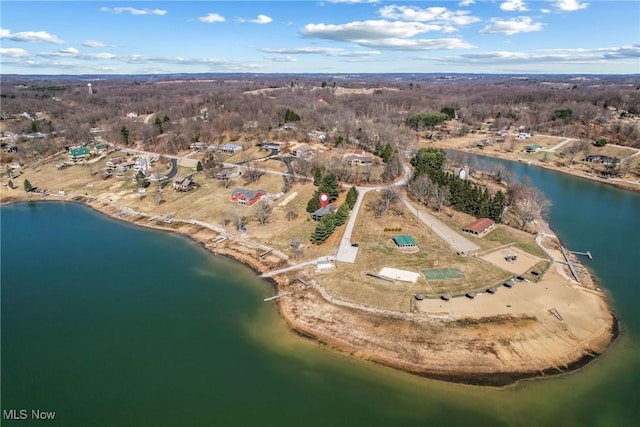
(533, 148)
(480, 227)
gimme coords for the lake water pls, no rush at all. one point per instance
(113, 325)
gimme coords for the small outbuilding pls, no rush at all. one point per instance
(405, 241)
(480, 227)
(317, 215)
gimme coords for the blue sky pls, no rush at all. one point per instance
(330, 36)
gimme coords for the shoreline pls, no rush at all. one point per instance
(623, 185)
(351, 343)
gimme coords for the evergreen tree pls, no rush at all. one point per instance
(124, 135)
(497, 205)
(329, 221)
(11, 185)
(199, 166)
(320, 234)
(317, 176)
(313, 204)
(329, 185)
(352, 197)
(342, 214)
(27, 186)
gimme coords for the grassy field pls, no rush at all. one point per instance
(377, 250)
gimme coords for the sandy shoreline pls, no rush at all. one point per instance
(474, 342)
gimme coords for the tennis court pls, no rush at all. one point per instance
(442, 273)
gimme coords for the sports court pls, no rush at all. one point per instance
(442, 273)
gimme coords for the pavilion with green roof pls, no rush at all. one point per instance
(405, 241)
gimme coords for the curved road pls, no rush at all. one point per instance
(348, 253)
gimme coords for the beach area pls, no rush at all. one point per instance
(529, 330)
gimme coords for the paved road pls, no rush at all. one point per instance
(346, 252)
(560, 145)
(453, 238)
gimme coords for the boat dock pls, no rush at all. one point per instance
(284, 294)
(587, 253)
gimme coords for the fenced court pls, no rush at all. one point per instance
(442, 273)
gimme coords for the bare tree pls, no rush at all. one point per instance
(252, 173)
(441, 195)
(421, 188)
(263, 211)
(292, 214)
(296, 248)
(529, 206)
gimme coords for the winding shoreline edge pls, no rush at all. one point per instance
(497, 379)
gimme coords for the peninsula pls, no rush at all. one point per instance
(384, 247)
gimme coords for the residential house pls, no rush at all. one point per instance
(316, 135)
(142, 165)
(225, 173)
(317, 215)
(231, 148)
(358, 160)
(250, 125)
(288, 127)
(198, 146)
(303, 151)
(462, 173)
(599, 158)
(533, 148)
(480, 227)
(79, 153)
(115, 161)
(247, 197)
(275, 148)
(184, 184)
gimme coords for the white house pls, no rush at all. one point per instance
(141, 165)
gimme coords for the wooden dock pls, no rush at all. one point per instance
(284, 294)
(587, 253)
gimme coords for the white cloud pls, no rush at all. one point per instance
(545, 10)
(366, 30)
(523, 24)
(69, 51)
(514, 5)
(464, 3)
(561, 56)
(417, 44)
(285, 58)
(383, 34)
(134, 11)
(429, 14)
(93, 43)
(211, 17)
(260, 19)
(29, 36)
(317, 50)
(570, 5)
(13, 52)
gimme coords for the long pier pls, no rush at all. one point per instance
(284, 294)
(570, 264)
